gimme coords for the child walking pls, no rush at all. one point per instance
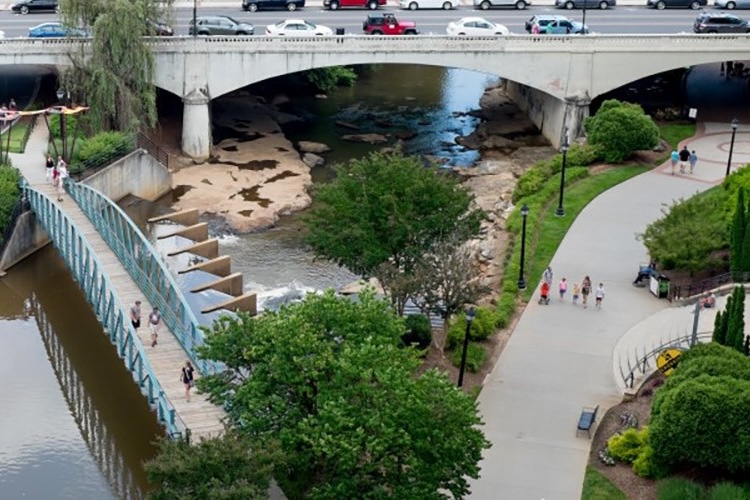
(599, 295)
(576, 293)
(563, 288)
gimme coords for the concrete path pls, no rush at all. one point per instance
(560, 356)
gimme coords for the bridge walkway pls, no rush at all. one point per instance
(203, 418)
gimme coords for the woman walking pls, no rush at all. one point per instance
(187, 378)
(585, 291)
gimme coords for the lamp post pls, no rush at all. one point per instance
(524, 214)
(735, 124)
(564, 148)
(195, 18)
(469, 318)
(583, 28)
(63, 96)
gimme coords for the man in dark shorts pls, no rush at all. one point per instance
(135, 315)
(684, 159)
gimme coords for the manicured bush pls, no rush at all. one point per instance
(506, 306)
(476, 355)
(727, 491)
(619, 129)
(482, 327)
(678, 488)
(418, 331)
(103, 147)
(646, 466)
(9, 193)
(627, 446)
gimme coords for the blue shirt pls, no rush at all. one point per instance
(675, 156)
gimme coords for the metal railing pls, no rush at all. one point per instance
(145, 266)
(143, 142)
(706, 285)
(96, 285)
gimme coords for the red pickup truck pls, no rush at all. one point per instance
(361, 4)
(387, 24)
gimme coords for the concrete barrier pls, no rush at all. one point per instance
(138, 174)
(26, 239)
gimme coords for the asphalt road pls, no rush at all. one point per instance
(631, 20)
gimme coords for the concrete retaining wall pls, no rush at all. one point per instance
(546, 111)
(138, 174)
(27, 238)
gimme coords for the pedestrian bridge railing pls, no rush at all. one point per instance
(91, 275)
(145, 266)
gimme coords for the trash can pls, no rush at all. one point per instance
(663, 287)
(339, 31)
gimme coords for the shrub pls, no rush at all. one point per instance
(727, 491)
(678, 488)
(506, 306)
(647, 466)
(476, 355)
(482, 327)
(327, 79)
(73, 126)
(418, 331)
(104, 147)
(619, 129)
(627, 446)
(9, 193)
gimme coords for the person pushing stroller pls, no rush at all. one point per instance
(544, 294)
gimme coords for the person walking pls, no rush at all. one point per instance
(563, 287)
(599, 295)
(576, 293)
(49, 168)
(547, 276)
(585, 291)
(187, 378)
(153, 322)
(684, 159)
(675, 157)
(135, 315)
(693, 160)
(59, 175)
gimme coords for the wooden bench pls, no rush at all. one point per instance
(587, 419)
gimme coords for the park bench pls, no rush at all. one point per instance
(587, 419)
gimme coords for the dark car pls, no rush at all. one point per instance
(220, 25)
(54, 30)
(158, 28)
(36, 6)
(720, 23)
(590, 4)
(679, 4)
(290, 5)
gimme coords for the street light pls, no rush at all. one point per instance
(63, 96)
(564, 148)
(583, 28)
(469, 318)
(735, 124)
(524, 214)
(195, 18)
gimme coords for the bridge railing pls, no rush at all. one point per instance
(96, 285)
(145, 266)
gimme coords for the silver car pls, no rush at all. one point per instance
(590, 4)
(491, 4)
(732, 4)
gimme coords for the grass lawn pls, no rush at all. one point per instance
(673, 133)
(17, 136)
(598, 487)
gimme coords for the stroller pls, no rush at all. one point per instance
(544, 294)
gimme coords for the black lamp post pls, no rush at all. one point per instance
(63, 96)
(735, 124)
(583, 28)
(469, 318)
(195, 18)
(524, 214)
(564, 148)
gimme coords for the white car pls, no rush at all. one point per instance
(428, 4)
(298, 27)
(476, 26)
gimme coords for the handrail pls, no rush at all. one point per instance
(145, 266)
(95, 283)
(153, 149)
(701, 286)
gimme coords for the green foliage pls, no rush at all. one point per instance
(619, 129)
(506, 306)
(328, 380)
(646, 466)
(597, 487)
(719, 335)
(218, 469)
(737, 232)
(678, 488)
(476, 355)
(418, 331)
(627, 446)
(482, 327)
(103, 147)
(327, 79)
(727, 491)
(674, 133)
(689, 233)
(533, 179)
(9, 193)
(735, 334)
(74, 126)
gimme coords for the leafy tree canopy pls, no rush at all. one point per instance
(619, 129)
(328, 379)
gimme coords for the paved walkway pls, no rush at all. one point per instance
(202, 417)
(560, 357)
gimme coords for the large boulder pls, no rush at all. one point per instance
(313, 160)
(312, 147)
(367, 138)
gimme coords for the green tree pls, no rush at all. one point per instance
(737, 233)
(329, 381)
(736, 322)
(619, 129)
(720, 335)
(115, 80)
(222, 468)
(9, 194)
(746, 346)
(381, 215)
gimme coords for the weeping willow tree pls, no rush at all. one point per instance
(114, 76)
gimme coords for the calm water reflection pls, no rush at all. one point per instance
(72, 422)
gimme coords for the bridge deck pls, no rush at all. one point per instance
(200, 416)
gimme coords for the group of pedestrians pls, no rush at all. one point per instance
(686, 160)
(56, 173)
(154, 321)
(581, 291)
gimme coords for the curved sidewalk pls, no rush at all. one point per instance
(559, 357)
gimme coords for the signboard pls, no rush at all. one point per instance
(653, 284)
(667, 361)
(692, 113)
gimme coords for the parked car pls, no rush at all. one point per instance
(476, 26)
(255, 5)
(361, 4)
(732, 4)
(428, 4)
(490, 4)
(387, 24)
(720, 23)
(158, 28)
(545, 24)
(680, 4)
(220, 25)
(590, 4)
(55, 30)
(28, 6)
(297, 27)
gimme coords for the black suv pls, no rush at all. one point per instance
(220, 25)
(290, 5)
(720, 23)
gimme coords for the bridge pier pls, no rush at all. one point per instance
(196, 125)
